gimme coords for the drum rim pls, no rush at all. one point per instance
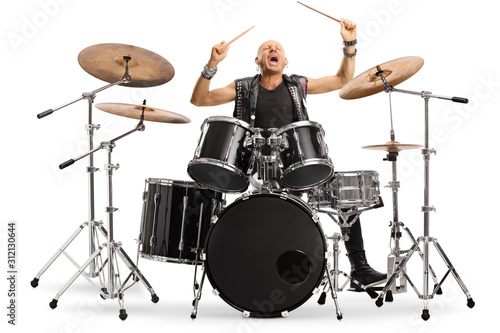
(227, 166)
(155, 257)
(332, 180)
(281, 195)
(298, 165)
(357, 203)
(373, 172)
(175, 182)
(228, 119)
(307, 209)
(301, 123)
(348, 203)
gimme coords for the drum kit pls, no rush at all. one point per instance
(266, 253)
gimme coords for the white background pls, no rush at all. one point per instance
(40, 44)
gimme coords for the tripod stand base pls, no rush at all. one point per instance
(62, 250)
(117, 289)
(437, 287)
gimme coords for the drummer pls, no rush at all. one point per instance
(272, 99)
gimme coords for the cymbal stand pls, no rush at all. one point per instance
(427, 294)
(91, 223)
(115, 288)
(397, 255)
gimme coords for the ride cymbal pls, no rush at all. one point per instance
(106, 62)
(392, 147)
(369, 83)
(150, 113)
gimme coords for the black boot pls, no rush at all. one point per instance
(360, 269)
(362, 272)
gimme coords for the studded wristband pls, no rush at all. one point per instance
(350, 43)
(208, 73)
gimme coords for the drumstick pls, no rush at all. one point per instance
(333, 18)
(244, 32)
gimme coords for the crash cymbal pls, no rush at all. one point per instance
(150, 113)
(369, 83)
(106, 62)
(392, 147)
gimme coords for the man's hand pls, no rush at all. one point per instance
(218, 54)
(348, 30)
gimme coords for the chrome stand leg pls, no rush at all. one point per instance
(136, 273)
(194, 313)
(34, 282)
(470, 301)
(333, 292)
(53, 303)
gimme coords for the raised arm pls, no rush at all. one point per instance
(347, 65)
(202, 95)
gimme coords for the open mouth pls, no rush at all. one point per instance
(273, 59)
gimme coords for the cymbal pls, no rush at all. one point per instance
(146, 68)
(392, 147)
(150, 113)
(394, 71)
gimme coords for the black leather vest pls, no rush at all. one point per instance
(247, 90)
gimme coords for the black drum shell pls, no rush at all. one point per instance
(221, 160)
(169, 214)
(314, 166)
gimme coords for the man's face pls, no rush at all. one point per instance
(271, 57)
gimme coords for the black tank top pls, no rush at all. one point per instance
(274, 107)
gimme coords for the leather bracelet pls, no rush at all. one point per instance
(350, 43)
(350, 55)
(208, 73)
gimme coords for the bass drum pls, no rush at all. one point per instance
(265, 255)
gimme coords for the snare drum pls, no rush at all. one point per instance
(176, 218)
(305, 161)
(265, 254)
(348, 189)
(221, 160)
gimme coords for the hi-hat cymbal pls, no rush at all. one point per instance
(150, 113)
(106, 62)
(392, 147)
(369, 83)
